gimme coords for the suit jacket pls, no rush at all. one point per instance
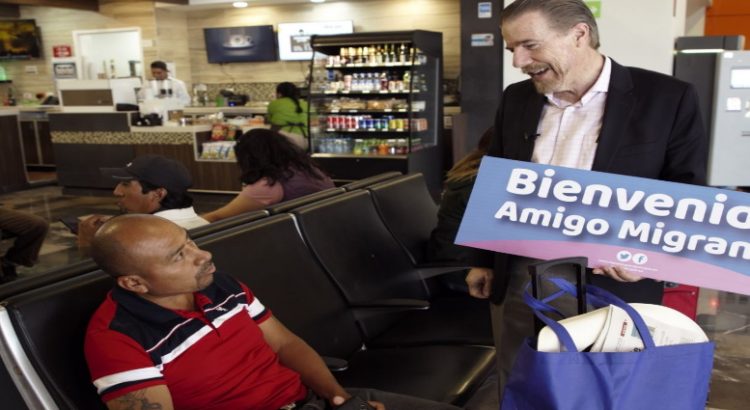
(651, 128)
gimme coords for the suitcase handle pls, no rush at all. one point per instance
(540, 271)
(599, 297)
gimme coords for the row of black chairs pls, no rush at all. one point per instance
(345, 272)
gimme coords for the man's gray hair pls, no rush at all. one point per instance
(561, 14)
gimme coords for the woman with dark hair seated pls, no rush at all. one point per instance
(273, 170)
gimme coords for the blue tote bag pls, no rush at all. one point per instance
(658, 377)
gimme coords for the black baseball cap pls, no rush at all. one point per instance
(156, 170)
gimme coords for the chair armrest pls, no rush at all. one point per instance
(371, 308)
(431, 270)
(335, 364)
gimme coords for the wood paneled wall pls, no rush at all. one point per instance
(57, 25)
(172, 41)
(374, 15)
(177, 35)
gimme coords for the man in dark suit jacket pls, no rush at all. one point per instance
(581, 109)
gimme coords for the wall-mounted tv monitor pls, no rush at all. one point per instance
(294, 38)
(19, 39)
(240, 44)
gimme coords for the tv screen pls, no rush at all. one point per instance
(294, 38)
(20, 39)
(240, 44)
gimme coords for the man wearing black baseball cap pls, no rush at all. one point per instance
(150, 184)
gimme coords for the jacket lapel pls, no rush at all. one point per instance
(617, 112)
(532, 113)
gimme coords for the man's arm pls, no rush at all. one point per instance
(88, 227)
(297, 355)
(686, 159)
(150, 398)
(181, 92)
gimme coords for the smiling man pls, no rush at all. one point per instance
(176, 334)
(581, 109)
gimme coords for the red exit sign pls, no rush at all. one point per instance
(62, 51)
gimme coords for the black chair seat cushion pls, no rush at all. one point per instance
(365, 182)
(270, 257)
(451, 320)
(441, 373)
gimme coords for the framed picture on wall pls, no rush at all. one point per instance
(64, 70)
(294, 38)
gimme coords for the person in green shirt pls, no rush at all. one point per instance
(288, 113)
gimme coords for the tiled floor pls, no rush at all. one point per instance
(60, 245)
(724, 316)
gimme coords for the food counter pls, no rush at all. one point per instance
(260, 109)
(85, 142)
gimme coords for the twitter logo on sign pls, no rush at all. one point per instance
(624, 256)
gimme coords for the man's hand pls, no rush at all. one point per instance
(617, 273)
(88, 227)
(480, 282)
(338, 401)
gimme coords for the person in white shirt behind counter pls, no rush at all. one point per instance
(160, 73)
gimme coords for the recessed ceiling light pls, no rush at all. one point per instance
(318, 1)
(240, 4)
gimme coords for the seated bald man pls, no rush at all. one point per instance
(174, 333)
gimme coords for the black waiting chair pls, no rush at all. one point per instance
(42, 340)
(227, 223)
(27, 283)
(355, 248)
(408, 211)
(365, 182)
(15, 385)
(286, 206)
(410, 214)
(9, 392)
(270, 256)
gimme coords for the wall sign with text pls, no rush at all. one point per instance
(676, 232)
(64, 70)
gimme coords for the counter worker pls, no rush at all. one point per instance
(581, 109)
(288, 113)
(160, 72)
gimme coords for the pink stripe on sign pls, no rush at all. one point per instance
(653, 265)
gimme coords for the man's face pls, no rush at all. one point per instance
(159, 74)
(545, 54)
(168, 261)
(132, 200)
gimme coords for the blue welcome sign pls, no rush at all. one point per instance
(662, 230)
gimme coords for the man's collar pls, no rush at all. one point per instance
(601, 85)
(176, 213)
(142, 308)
